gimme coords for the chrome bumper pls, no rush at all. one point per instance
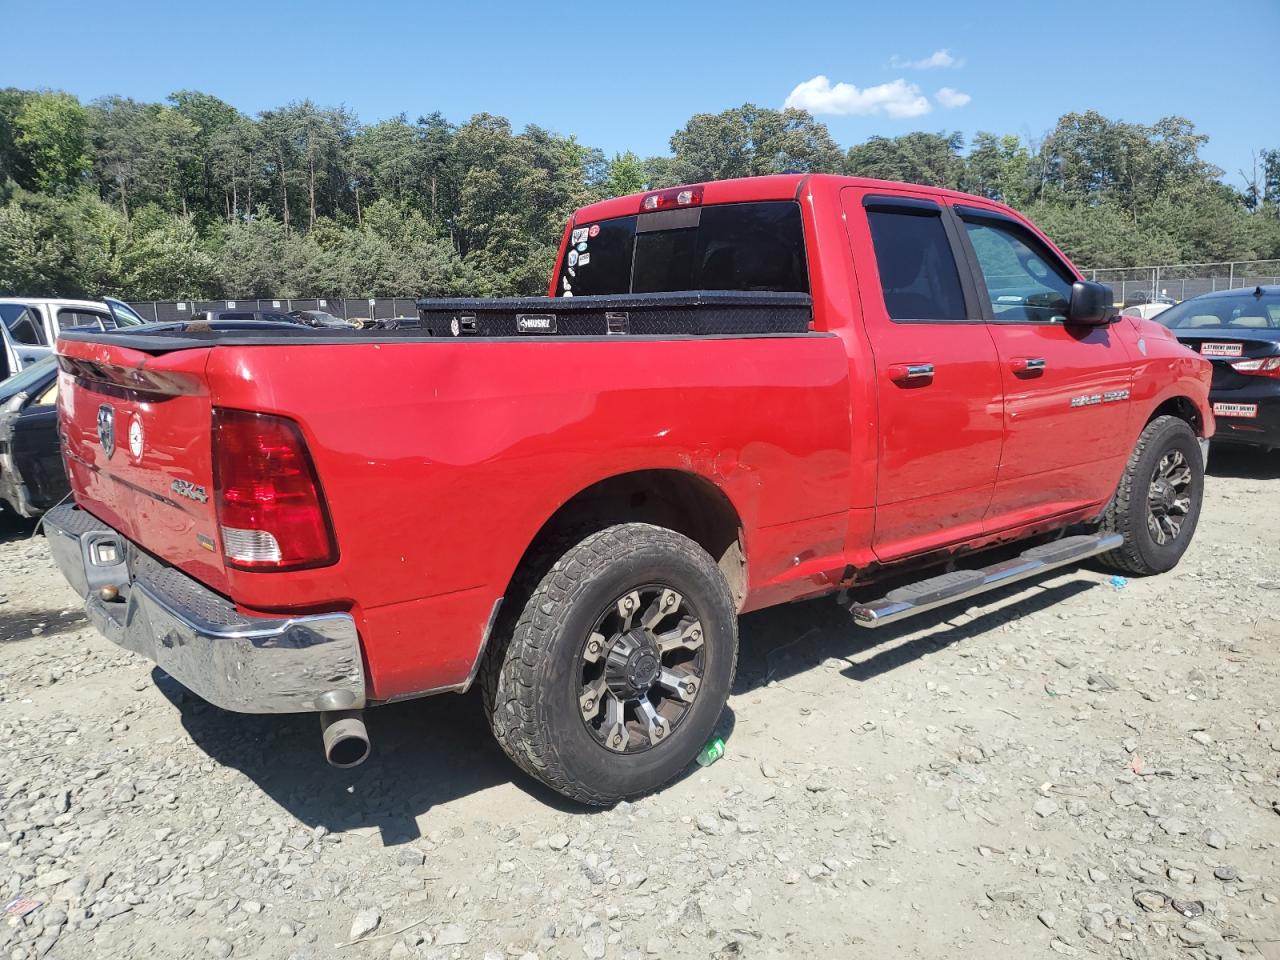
(237, 662)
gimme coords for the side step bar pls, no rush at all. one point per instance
(958, 584)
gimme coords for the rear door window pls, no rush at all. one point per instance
(737, 246)
(918, 274)
(70, 319)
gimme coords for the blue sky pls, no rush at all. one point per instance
(626, 76)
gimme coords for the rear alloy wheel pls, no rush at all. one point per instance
(1157, 505)
(642, 668)
(618, 667)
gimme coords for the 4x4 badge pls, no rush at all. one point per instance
(107, 429)
(192, 491)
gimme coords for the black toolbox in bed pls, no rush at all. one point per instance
(678, 314)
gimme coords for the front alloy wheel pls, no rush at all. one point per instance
(1169, 497)
(1157, 504)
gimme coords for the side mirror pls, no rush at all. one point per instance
(1092, 305)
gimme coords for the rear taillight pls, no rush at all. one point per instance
(271, 511)
(671, 199)
(1258, 367)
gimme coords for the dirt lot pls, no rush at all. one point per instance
(1001, 781)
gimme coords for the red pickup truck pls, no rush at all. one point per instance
(735, 394)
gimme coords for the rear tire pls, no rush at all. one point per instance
(574, 637)
(1156, 508)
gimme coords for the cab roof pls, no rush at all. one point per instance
(784, 186)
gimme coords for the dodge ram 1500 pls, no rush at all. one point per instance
(735, 394)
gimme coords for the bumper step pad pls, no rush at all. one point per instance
(903, 602)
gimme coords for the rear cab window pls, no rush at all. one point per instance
(757, 246)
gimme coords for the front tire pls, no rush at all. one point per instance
(618, 667)
(1156, 508)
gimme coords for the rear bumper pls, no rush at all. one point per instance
(1262, 429)
(238, 662)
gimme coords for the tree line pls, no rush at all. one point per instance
(190, 198)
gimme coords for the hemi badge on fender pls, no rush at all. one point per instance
(535, 323)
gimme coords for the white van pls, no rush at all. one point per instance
(29, 325)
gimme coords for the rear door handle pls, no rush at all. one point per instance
(1027, 364)
(903, 372)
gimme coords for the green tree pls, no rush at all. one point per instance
(626, 174)
(750, 141)
(53, 139)
(1000, 168)
(929, 158)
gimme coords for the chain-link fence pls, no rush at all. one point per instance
(1181, 281)
(364, 308)
(1131, 285)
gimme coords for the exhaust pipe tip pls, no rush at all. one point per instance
(346, 741)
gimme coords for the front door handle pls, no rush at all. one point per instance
(1027, 364)
(910, 372)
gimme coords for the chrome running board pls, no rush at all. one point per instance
(958, 584)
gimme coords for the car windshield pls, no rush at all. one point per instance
(29, 379)
(737, 246)
(1246, 310)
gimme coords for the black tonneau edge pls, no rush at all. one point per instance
(705, 314)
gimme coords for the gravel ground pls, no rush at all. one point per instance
(1070, 768)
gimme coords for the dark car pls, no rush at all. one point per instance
(32, 477)
(1239, 331)
(320, 318)
(254, 316)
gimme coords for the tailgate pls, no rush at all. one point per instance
(137, 442)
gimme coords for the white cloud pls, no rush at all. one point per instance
(950, 97)
(896, 98)
(939, 59)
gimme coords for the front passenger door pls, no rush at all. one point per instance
(1066, 389)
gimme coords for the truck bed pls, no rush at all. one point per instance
(705, 313)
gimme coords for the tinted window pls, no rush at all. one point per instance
(738, 246)
(1242, 311)
(124, 314)
(1024, 281)
(27, 327)
(68, 319)
(277, 317)
(917, 269)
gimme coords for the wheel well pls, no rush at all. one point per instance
(683, 502)
(1182, 408)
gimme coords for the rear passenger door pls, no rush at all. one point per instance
(1066, 388)
(938, 383)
